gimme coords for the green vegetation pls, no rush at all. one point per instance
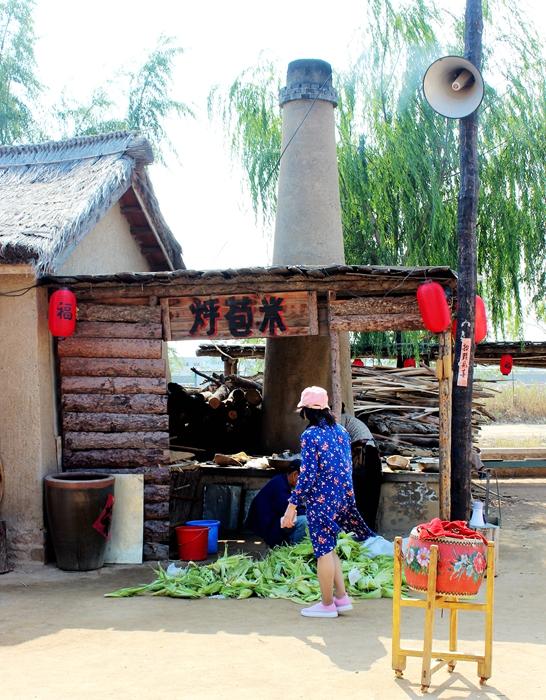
(286, 572)
(518, 403)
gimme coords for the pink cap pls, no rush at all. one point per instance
(314, 397)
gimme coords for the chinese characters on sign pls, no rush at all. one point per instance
(243, 315)
(464, 362)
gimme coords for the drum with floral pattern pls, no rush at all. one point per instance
(461, 564)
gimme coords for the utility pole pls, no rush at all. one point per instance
(461, 444)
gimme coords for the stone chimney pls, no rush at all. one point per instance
(307, 232)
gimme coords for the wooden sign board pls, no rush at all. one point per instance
(267, 315)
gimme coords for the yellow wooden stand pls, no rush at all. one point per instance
(432, 602)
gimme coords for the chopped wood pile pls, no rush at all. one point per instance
(222, 416)
(400, 406)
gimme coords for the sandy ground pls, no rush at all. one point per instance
(60, 639)
(513, 435)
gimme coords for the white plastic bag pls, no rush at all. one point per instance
(375, 546)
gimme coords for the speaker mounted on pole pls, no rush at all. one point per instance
(453, 87)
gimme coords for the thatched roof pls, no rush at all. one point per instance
(54, 193)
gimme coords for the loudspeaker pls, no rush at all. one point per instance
(453, 87)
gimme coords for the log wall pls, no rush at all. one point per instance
(113, 399)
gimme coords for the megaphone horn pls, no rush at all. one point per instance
(453, 87)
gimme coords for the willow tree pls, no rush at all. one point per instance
(142, 98)
(19, 85)
(398, 159)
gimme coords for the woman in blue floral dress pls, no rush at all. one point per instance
(325, 488)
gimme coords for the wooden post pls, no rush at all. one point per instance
(466, 283)
(444, 394)
(4, 568)
(165, 318)
(334, 362)
(430, 609)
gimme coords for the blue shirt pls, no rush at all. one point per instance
(267, 508)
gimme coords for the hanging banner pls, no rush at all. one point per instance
(464, 362)
(243, 316)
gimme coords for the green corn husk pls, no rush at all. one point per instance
(287, 572)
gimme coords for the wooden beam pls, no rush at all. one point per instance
(334, 362)
(102, 329)
(165, 319)
(383, 322)
(108, 441)
(114, 422)
(117, 403)
(374, 306)
(444, 373)
(118, 313)
(114, 385)
(111, 367)
(114, 458)
(98, 347)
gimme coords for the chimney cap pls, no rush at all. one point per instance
(308, 79)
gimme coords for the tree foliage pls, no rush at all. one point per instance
(146, 101)
(398, 159)
(18, 83)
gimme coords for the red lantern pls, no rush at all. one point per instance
(506, 364)
(480, 322)
(357, 362)
(409, 362)
(433, 307)
(62, 313)
(480, 327)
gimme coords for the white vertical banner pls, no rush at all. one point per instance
(464, 362)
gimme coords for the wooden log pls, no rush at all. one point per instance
(113, 385)
(219, 395)
(444, 453)
(156, 531)
(156, 493)
(156, 511)
(243, 382)
(253, 397)
(334, 362)
(98, 347)
(117, 403)
(130, 313)
(383, 322)
(104, 329)
(4, 566)
(104, 441)
(235, 398)
(114, 422)
(374, 306)
(111, 367)
(114, 458)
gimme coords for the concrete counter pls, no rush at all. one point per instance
(407, 499)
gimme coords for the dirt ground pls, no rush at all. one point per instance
(513, 435)
(60, 639)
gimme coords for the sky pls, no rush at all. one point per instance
(202, 195)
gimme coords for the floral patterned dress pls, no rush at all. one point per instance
(325, 487)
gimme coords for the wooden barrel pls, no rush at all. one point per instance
(79, 514)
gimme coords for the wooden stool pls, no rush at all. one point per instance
(431, 602)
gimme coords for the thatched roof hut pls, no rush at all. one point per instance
(54, 193)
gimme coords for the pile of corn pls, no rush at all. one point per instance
(286, 572)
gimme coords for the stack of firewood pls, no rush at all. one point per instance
(224, 415)
(400, 406)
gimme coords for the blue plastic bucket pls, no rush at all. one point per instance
(213, 526)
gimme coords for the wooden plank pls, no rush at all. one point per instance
(118, 403)
(113, 385)
(114, 458)
(313, 314)
(444, 426)
(111, 367)
(166, 319)
(109, 329)
(384, 322)
(116, 297)
(119, 313)
(373, 306)
(99, 347)
(114, 422)
(105, 441)
(335, 363)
